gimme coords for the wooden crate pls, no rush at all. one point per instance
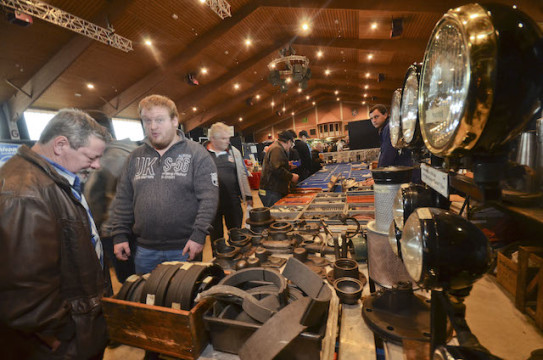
(507, 272)
(167, 331)
(529, 296)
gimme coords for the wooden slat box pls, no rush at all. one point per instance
(167, 331)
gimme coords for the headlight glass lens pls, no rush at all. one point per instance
(397, 209)
(411, 245)
(394, 121)
(445, 81)
(392, 238)
(409, 107)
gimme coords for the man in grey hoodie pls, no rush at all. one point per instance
(167, 194)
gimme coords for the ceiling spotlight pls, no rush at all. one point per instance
(336, 92)
(272, 66)
(305, 26)
(202, 1)
(90, 86)
(314, 103)
(194, 108)
(299, 90)
(284, 108)
(368, 75)
(363, 103)
(248, 42)
(327, 72)
(374, 26)
(148, 42)
(370, 56)
(204, 70)
(366, 87)
(292, 113)
(337, 99)
(365, 95)
(240, 119)
(273, 103)
(236, 86)
(288, 80)
(257, 96)
(319, 53)
(307, 97)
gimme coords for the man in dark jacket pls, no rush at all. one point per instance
(305, 154)
(389, 156)
(51, 265)
(276, 175)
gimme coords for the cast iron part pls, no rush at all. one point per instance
(260, 217)
(345, 268)
(280, 226)
(397, 314)
(300, 254)
(348, 290)
(223, 250)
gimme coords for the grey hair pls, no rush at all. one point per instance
(218, 128)
(77, 126)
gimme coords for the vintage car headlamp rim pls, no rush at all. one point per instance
(394, 122)
(398, 207)
(498, 48)
(446, 76)
(394, 238)
(453, 252)
(409, 111)
(412, 247)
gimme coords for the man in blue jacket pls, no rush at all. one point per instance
(389, 156)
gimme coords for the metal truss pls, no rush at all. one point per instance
(68, 21)
(220, 7)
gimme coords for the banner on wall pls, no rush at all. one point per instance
(7, 151)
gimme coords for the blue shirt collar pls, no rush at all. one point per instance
(65, 173)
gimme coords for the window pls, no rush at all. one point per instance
(36, 120)
(128, 128)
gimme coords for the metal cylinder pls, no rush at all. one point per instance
(384, 267)
(527, 149)
(387, 182)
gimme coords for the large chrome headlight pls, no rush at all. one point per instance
(409, 117)
(481, 79)
(394, 120)
(442, 250)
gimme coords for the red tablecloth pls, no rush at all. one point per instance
(254, 181)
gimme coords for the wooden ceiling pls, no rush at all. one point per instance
(53, 65)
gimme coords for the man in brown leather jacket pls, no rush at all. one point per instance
(51, 270)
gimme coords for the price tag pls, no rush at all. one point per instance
(436, 179)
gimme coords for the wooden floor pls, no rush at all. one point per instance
(491, 315)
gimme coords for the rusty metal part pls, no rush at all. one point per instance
(260, 217)
(223, 250)
(253, 262)
(345, 268)
(274, 335)
(281, 226)
(348, 290)
(311, 284)
(396, 314)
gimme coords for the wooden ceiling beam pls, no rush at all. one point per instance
(59, 63)
(390, 70)
(149, 81)
(368, 5)
(220, 109)
(395, 45)
(204, 90)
